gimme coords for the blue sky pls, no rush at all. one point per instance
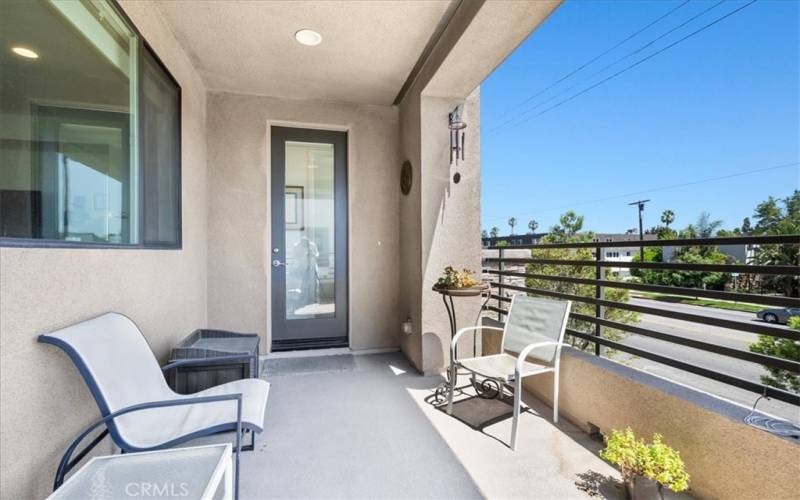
(724, 101)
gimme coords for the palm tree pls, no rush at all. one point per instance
(668, 217)
(494, 232)
(532, 225)
(512, 222)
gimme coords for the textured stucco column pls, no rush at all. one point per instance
(450, 221)
(440, 221)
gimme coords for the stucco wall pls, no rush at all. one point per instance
(420, 150)
(440, 222)
(410, 283)
(725, 457)
(239, 212)
(43, 400)
(450, 222)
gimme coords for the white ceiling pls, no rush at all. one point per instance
(367, 52)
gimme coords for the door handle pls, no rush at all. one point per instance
(277, 263)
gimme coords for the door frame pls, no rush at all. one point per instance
(267, 252)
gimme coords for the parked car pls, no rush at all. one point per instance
(781, 315)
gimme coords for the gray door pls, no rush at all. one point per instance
(309, 238)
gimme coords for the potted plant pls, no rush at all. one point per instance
(645, 468)
(455, 279)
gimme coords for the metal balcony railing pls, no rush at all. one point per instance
(600, 282)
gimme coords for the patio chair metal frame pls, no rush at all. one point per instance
(514, 381)
(67, 463)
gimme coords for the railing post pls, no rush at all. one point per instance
(500, 267)
(599, 293)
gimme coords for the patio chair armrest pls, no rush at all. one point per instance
(464, 330)
(200, 361)
(523, 355)
(65, 465)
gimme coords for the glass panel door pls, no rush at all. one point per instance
(309, 238)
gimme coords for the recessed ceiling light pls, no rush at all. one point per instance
(22, 51)
(308, 37)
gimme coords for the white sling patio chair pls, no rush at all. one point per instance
(139, 410)
(534, 331)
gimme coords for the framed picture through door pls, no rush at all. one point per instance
(294, 207)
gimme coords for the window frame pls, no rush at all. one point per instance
(142, 45)
(145, 46)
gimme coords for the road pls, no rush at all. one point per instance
(712, 334)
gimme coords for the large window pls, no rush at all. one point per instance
(89, 129)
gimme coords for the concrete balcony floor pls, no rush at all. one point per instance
(360, 427)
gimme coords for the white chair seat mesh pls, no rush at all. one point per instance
(501, 366)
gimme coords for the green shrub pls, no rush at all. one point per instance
(666, 466)
(656, 461)
(628, 453)
(781, 348)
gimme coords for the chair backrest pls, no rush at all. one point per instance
(532, 320)
(115, 360)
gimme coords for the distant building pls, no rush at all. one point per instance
(622, 254)
(614, 254)
(741, 252)
(514, 239)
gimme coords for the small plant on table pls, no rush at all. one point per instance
(452, 278)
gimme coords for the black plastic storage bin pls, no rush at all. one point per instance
(211, 344)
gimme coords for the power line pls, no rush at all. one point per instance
(604, 68)
(640, 61)
(657, 189)
(595, 58)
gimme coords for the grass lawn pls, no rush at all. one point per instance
(719, 304)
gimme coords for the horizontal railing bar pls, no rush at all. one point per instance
(692, 318)
(677, 266)
(500, 297)
(771, 300)
(773, 362)
(771, 392)
(788, 239)
(753, 357)
(496, 309)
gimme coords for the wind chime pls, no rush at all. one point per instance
(456, 126)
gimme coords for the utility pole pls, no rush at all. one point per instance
(640, 204)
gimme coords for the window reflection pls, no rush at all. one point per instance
(67, 123)
(309, 198)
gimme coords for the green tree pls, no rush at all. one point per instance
(667, 218)
(746, 227)
(569, 225)
(781, 348)
(778, 217)
(494, 232)
(706, 226)
(768, 215)
(651, 254)
(484, 234)
(705, 254)
(512, 222)
(568, 232)
(532, 225)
